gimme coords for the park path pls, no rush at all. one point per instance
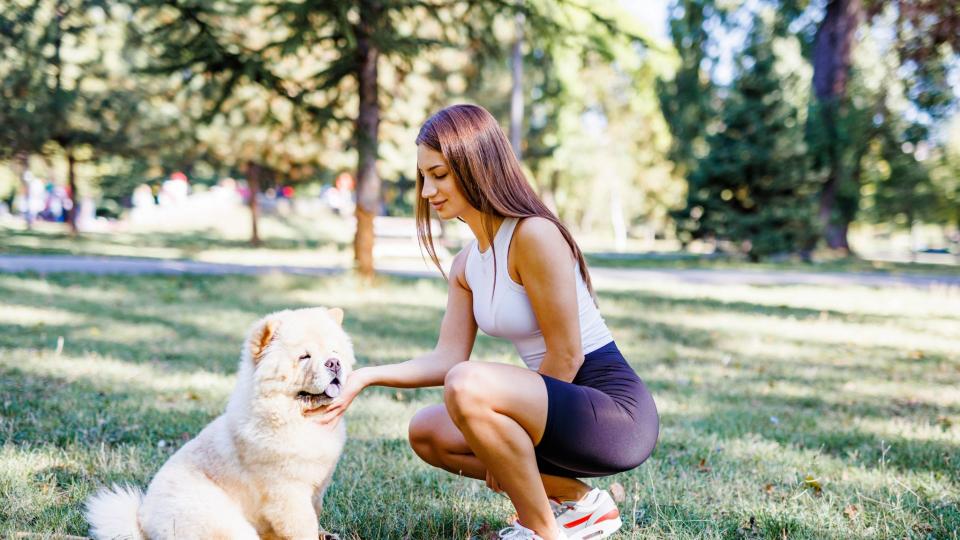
(46, 264)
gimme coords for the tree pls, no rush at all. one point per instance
(592, 138)
(258, 134)
(927, 32)
(753, 188)
(67, 89)
(354, 40)
(841, 121)
(687, 97)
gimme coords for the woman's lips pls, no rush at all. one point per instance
(438, 204)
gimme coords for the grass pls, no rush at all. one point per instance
(291, 240)
(787, 412)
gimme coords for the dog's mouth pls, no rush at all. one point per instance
(309, 401)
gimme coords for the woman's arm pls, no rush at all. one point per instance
(545, 265)
(458, 332)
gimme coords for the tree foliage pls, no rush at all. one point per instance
(753, 188)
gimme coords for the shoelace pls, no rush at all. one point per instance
(560, 509)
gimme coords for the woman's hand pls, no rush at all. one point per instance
(354, 384)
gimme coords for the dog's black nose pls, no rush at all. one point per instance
(333, 365)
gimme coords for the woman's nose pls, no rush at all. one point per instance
(429, 190)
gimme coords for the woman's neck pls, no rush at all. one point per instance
(474, 219)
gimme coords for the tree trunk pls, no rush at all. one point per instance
(548, 192)
(25, 177)
(367, 128)
(516, 92)
(254, 172)
(72, 187)
(832, 58)
(617, 220)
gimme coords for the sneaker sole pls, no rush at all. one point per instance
(598, 531)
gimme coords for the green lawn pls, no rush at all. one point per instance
(787, 412)
(291, 240)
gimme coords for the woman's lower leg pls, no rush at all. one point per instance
(556, 487)
(506, 450)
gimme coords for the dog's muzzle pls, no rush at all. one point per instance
(315, 396)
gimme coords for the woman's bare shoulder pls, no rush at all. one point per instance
(458, 268)
(538, 234)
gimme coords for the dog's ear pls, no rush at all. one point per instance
(336, 314)
(260, 337)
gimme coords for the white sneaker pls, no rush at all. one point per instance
(593, 517)
(519, 532)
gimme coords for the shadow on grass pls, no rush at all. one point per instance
(646, 300)
(815, 425)
(189, 243)
(88, 413)
(160, 297)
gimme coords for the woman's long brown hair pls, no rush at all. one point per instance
(486, 172)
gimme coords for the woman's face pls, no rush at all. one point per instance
(439, 186)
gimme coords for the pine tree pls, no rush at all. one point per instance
(752, 189)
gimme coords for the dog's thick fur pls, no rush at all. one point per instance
(259, 470)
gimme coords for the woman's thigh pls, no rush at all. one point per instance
(478, 388)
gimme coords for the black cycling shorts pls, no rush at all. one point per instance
(602, 423)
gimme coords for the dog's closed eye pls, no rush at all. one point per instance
(304, 356)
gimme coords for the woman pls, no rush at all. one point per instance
(579, 410)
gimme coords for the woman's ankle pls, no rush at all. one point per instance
(572, 491)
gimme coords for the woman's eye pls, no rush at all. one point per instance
(441, 176)
(305, 356)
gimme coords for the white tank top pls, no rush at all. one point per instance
(506, 311)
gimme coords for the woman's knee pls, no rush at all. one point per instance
(422, 437)
(463, 389)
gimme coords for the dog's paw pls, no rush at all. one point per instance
(324, 535)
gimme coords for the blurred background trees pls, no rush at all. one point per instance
(759, 128)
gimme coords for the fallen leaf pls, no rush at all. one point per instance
(748, 527)
(617, 492)
(813, 484)
(851, 511)
(916, 355)
(485, 531)
(769, 488)
(703, 467)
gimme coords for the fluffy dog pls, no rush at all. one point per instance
(261, 468)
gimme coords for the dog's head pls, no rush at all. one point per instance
(302, 356)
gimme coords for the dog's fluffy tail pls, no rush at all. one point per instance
(112, 513)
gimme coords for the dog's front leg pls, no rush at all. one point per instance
(318, 506)
(291, 515)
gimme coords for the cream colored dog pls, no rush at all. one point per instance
(261, 468)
